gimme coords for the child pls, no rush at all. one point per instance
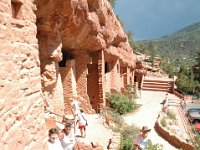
(82, 122)
(53, 142)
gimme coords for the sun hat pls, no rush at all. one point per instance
(68, 124)
(145, 129)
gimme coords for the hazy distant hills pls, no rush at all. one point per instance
(179, 46)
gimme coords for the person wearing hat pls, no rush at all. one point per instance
(141, 140)
(67, 137)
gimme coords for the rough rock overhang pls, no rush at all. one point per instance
(85, 25)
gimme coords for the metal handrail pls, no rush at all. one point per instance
(54, 113)
(58, 115)
(185, 123)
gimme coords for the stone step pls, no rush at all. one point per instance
(157, 84)
(155, 89)
(159, 79)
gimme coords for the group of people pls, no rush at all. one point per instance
(64, 139)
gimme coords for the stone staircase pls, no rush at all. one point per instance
(158, 84)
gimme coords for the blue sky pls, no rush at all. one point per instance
(149, 19)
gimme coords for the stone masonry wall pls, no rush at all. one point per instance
(115, 76)
(101, 72)
(172, 139)
(93, 82)
(21, 104)
(82, 59)
(68, 83)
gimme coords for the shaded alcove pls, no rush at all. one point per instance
(93, 81)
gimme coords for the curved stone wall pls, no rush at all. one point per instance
(172, 139)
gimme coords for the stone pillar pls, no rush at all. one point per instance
(125, 77)
(101, 72)
(115, 75)
(82, 59)
(68, 76)
(137, 92)
(58, 97)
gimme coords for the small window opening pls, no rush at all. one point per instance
(117, 68)
(16, 7)
(67, 55)
(106, 67)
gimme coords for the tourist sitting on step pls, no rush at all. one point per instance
(67, 137)
(53, 142)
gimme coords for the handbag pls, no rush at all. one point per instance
(84, 119)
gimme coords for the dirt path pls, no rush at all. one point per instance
(96, 131)
(147, 115)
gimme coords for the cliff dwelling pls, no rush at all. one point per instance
(51, 51)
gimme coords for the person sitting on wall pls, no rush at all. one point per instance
(53, 142)
(82, 122)
(67, 137)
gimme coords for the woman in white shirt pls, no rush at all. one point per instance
(67, 137)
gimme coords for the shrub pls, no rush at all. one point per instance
(112, 2)
(115, 117)
(197, 139)
(151, 146)
(127, 135)
(163, 122)
(171, 115)
(120, 103)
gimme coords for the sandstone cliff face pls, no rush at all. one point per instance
(21, 105)
(73, 26)
(84, 25)
(34, 36)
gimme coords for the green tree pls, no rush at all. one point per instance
(121, 22)
(112, 2)
(185, 81)
(130, 39)
(168, 67)
(197, 66)
(152, 51)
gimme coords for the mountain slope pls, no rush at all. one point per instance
(179, 46)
